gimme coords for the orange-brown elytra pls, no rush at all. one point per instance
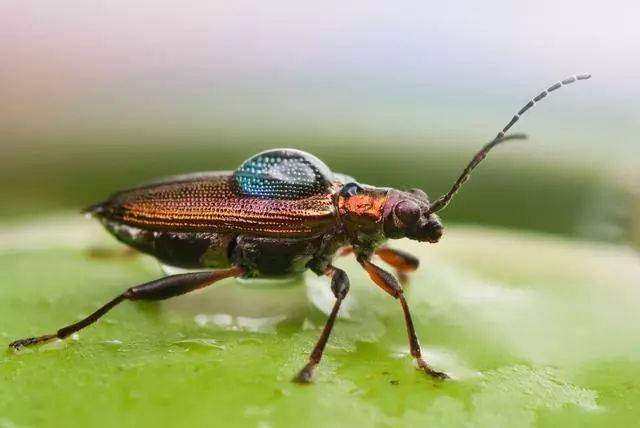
(281, 212)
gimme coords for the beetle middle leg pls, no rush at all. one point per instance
(159, 289)
(388, 283)
(340, 288)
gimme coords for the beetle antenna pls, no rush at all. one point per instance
(502, 136)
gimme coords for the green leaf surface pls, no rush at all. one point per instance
(535, 331)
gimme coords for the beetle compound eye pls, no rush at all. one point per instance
(350, 189)
(407, 212)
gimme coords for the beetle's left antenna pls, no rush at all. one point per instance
(501, 137)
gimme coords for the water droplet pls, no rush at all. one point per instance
(320, 295)
(250, 340)
(199, 342)
(219, 320)
(178, 350)
(260, 325)
(399, 353)
(240, 323)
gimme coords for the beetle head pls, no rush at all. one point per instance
(407, 215)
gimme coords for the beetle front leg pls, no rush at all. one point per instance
(159, 289)
(388, 283)
(340, 288)
(401, 261)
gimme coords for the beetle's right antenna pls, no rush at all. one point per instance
(444, 200)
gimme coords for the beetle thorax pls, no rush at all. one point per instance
(361, 212)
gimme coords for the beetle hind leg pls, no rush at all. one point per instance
(159, 289)
(340, 288)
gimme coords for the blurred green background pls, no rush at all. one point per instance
(531, 300)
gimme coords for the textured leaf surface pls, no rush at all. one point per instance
(536, 332)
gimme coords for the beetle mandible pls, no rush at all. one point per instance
(281, 212)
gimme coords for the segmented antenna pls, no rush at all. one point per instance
(502, 136)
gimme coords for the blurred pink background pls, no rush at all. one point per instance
(387, 70)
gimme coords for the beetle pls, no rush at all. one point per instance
(281, 212)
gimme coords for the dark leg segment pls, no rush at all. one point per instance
(159, 289)
(388, 283)
(340, 288)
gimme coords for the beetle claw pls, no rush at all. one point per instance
(17, 345)
(305, 375)
(436, 374)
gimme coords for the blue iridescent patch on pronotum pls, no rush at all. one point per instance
(283, 174)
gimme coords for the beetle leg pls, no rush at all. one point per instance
(388, 283)
(159, 289)
(402, 261)
(340, 288)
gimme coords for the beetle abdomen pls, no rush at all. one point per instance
(180, 249)
(211, 203)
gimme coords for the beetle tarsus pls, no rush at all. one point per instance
(431, 372)
(30, 341)
(436, 374)
(304, 376)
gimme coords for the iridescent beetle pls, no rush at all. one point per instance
(281, 212)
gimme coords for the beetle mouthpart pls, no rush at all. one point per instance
(436, 234)
(432, 230)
